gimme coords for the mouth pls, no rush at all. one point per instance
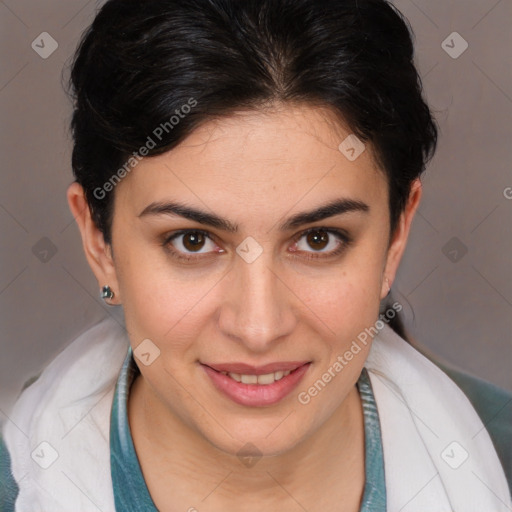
(257, 389)
(247, 369)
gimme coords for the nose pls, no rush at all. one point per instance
(258, 307)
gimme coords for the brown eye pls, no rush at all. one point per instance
(193, 241)
(317, 240)
(321, 243)
(189, 244)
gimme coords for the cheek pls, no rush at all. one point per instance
(153, 299)
(170, 306)
(349, 297)
(346, 307)
(161, 307)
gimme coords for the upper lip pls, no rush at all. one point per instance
(247, 369)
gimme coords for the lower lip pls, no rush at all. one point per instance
(256, 395)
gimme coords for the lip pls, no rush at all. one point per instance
(256, 395)
(247, 369)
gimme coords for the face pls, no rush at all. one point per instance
(224, 252)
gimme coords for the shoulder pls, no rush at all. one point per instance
(8, 486)
(84, 370)
(494, 406)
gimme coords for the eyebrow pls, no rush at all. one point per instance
(335, 207)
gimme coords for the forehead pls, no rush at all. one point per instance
(253, 158)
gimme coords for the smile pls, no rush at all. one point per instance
(267, 378)
(256, 390)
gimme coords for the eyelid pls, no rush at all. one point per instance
(175, 234)
(344, 243)
(336, 231)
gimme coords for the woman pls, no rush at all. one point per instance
(246, 178)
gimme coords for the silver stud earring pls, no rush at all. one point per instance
(107, 293)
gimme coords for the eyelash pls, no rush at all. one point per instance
(346, 240)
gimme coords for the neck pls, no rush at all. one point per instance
(169, 451)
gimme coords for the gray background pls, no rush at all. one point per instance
(458, 303)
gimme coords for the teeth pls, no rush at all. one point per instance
(268, 378)
(249, 379)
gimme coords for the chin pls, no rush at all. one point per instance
(256, 442)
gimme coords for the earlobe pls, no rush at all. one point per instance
(400, 237)
(97, 252)
(387, 286)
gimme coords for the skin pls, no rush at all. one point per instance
(255, 169)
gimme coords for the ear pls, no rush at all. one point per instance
(98, 253)
(399, 240)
